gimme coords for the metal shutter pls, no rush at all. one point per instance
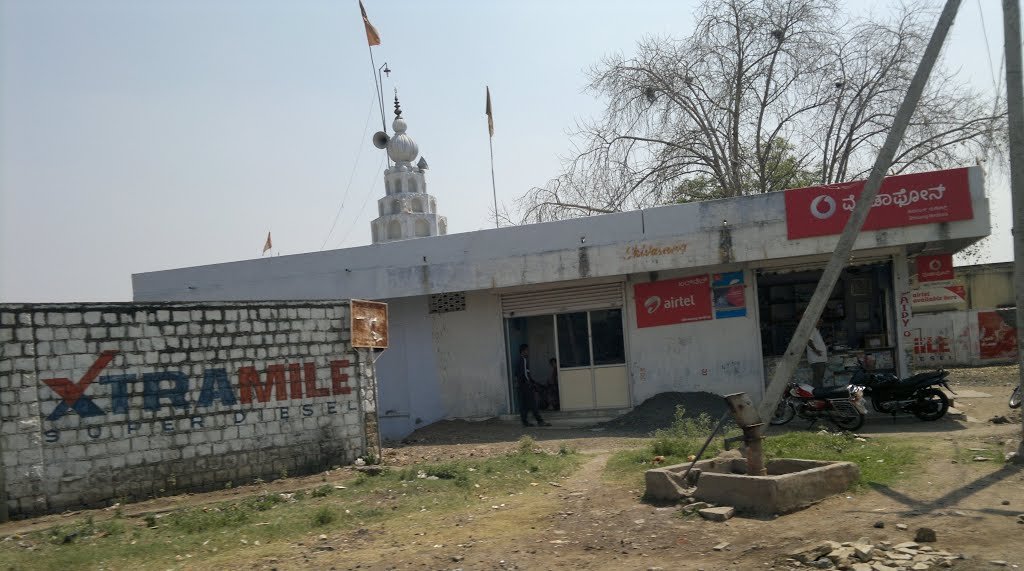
(579, 298)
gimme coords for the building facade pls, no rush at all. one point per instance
(694, 297)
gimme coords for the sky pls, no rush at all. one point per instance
(139, 136)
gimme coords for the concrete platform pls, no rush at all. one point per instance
(573, 418)
(791, 484)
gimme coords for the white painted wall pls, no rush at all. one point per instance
(719, 356)
(470, 350)
(407, 373)
(590, 247)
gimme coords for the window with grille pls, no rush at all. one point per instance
(446, 302)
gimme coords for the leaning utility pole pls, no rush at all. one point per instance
(1015, 123)
(841, 254)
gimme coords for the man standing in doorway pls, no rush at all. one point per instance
(525, 387)
(817, 356)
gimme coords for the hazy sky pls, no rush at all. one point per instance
(144, 135)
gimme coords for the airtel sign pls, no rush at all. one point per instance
(673, 301)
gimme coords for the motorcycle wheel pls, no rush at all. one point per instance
(927, 401)
(785, 412)
(1015, 398)
(848, 422)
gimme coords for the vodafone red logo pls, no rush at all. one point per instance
(830, 207)
(935, 268)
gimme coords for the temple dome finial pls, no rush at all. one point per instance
(401, 147)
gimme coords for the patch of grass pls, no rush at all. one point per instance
(322, 491)
(526, 445)
(225, 533)
(323, 516)
(684, 437)
(882, 461)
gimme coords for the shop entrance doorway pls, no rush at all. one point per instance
(855, 325)
(578, 358)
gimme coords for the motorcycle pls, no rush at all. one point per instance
(917, 395)
(843, 406)
(1015, 397)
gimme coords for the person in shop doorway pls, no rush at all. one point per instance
(817, 356)
(553, 384)
(525, 386)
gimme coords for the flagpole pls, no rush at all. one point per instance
(378, 87)
(494, 188)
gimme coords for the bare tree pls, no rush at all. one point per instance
(764, 95)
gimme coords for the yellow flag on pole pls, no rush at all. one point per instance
(372, 36)
(490, 117)
(267, 245)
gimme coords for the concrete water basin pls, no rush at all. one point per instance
(791, 484)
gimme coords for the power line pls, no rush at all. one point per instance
(369, 193)
(352, 175)
(988, 50)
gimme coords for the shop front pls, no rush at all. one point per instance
(577, 346)
(857, 324)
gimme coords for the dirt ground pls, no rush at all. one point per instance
(584, 522)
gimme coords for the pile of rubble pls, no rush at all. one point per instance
(864, 555)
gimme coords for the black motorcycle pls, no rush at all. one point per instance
(917, 395)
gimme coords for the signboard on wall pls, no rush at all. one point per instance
(905, 200)
(668, 302)
(728, 295)
(940, 297)
(935, 268)
(997, 334)
(369, 324)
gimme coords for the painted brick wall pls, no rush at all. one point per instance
(111, 402)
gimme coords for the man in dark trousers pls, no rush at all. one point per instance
(525, 386)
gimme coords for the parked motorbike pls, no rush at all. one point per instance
(1015, 398)
(918, 395)
(843, 406)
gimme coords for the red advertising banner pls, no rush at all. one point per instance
(933, 296)
(997, 334)
(935, 268)
(905, 200)
(668, 302)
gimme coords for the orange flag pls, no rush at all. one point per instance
(490, 117)
(372, 36)
(267, 245)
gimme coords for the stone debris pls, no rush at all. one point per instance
(901, 526)
(722, 546)
(925, 535)
(717, 514)
(867, 555)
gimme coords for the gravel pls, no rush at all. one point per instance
(659, 411)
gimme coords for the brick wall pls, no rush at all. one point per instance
(112, 402)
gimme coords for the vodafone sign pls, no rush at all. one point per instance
(673, 301)
(935, 268)
(905, 200)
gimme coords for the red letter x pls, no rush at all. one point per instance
(71, 392)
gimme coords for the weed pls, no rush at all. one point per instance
(227, 485)
(526, 445)
(299, 495)
(284, 474)
(322, 491)
(150, 520)
(565, 450)
(323, 516)
(371, 459)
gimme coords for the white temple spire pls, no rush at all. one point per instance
(406, 210)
